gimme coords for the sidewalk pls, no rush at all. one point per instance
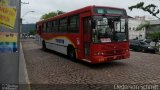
(24, 83)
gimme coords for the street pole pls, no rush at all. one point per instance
(26, 14)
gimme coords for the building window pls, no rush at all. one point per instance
(133, 28)
(143, 29)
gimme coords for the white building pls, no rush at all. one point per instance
(133, 24)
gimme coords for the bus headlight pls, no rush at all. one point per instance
(150, 47)
(99, 53)
(102, 53)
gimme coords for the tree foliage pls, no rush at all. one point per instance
(51, 14)
(143, 25)
(151, 8)
(154, 35)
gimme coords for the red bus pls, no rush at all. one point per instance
(94, 34)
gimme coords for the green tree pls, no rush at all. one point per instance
(51, 14)
(151, 8)
(143, 25)
(154, 11)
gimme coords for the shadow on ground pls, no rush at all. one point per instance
(93, 66)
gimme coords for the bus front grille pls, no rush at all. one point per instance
(114, 52)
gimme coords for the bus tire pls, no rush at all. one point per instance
(143, 50)
(43, 45)
(71, 53)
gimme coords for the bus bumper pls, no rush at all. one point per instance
(101, 59)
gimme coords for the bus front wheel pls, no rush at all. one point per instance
(71, 54)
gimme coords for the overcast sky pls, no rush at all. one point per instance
(44, 6)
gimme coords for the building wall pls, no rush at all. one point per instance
(132, 26)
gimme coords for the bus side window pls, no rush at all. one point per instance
(52, 28)
(47, 30)
(73, 24)
(55, 28)
(39, 31)
(63, 25)
(44, 28)
(49, 27)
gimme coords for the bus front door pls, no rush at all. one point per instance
(87, 36)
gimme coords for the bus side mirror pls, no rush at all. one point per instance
(93, 24)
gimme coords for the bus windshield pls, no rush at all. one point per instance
(109, 29)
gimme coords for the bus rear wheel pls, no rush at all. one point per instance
(43, 45)
(71, 54)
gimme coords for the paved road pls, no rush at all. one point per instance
(49, 67)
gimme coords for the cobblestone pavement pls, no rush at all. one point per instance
(49, 67)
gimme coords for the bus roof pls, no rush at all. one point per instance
(87, 8)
